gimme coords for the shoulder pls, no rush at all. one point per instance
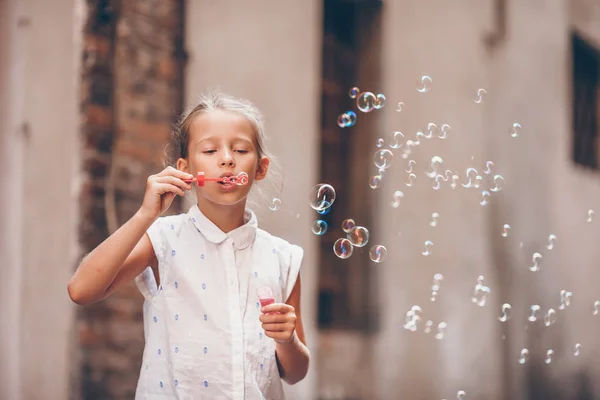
(278, 245)
(170, 224)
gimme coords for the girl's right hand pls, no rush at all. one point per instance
(161, 189)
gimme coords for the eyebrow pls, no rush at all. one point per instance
(237, 139)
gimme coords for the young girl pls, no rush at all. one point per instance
(207, 336)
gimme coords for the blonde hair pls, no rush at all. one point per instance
(215, 100)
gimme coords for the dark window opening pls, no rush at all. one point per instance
(586, 109)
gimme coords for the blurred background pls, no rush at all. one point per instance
(89, 93)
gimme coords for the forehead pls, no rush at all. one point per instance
(220, 123)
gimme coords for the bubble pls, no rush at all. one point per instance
(383, 158)
(411, 180)
(590, 214)
(515, 130)
(551, 241)
(577, 349)
(366, 102)
(400, 106)
(549, 355)
(319, 227)
(596, 307)
(347, 225)
(379, 101)
(322, 196)
(445, 128)
(346, 120)
(524, 356)
(354, 92)
(413, 318)
(488, 167)
(275, 204)
(434, 218)
(460, 395)
(480, 293)
(428, 326)
(359, 236)
(379, 143)
(484, 198)
(435, 288)
(455, 180)
(322, 212)
(428, 246)
(377, 253)
(342, 248)
(565, 299)
(505, 230)
(498, 183)
(535, 260)
(533, 316)
(435, 164)
(479, 98)
(424, 84)
(550, 317)
(506, 312)
(441, 330)
(398, 194)
(375, 181)
(397, 140)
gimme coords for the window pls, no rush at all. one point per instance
(586, 108)
(349, 59)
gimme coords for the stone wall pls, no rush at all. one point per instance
(131, 95)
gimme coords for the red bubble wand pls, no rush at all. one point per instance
(239, 179)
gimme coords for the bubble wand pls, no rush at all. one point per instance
(239, 179)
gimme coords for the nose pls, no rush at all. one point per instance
(227, 160)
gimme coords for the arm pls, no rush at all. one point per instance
(128, 251)
(286, 328)
(117, 260)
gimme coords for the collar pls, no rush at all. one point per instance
(242, 236)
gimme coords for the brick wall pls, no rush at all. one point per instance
(131, 93)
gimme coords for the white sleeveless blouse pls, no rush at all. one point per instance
(203, 336)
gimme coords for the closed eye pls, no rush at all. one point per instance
(209, 151)
(241, 151)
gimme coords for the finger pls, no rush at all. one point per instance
(162, 188)
(170, 171)
(282, 337)
(272, 318)
(278, 307)
(174, 181)
(275, 327)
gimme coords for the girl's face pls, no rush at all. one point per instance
(222, 143)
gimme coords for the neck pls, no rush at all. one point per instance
(226, 218)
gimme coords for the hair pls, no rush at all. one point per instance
(180, 135)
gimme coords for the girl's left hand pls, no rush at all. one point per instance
(279, 321)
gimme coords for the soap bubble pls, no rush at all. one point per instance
(377, 253)
(275, 204)
(379, 101)
(383, 159)
(322, 197)
(366, 102)
(348, 224)
(375, 181)
(424, 84)
(319, 227)
(354, 92)
(359, 236)
(342, 248)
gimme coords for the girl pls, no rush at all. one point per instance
(206, 335)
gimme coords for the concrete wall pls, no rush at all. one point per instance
(269, 52)
(40, 157)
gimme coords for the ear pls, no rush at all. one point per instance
(263, 167)
(182, 165)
